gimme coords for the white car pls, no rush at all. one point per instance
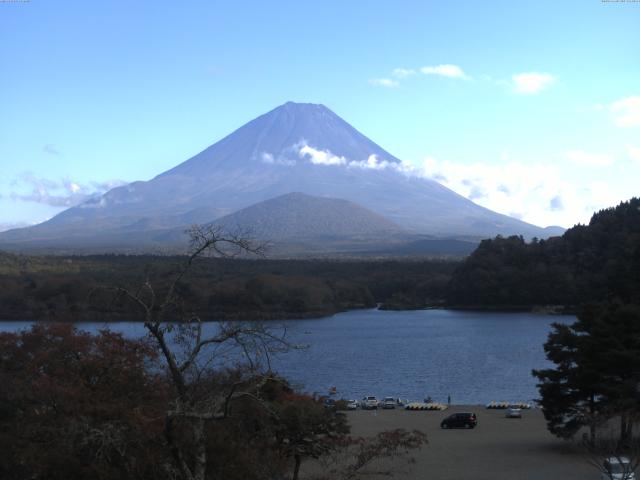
(352, 405)
(389, 402)
(369, 402)
(618, 468)
(513, 413)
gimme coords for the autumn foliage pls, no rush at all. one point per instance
(79, 406)
(75, 405)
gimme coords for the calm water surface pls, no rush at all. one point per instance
(474, 357)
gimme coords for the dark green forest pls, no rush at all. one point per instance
(595, 262)
(72, 288)
(599, 261)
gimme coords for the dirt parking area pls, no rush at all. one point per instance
(498, 448)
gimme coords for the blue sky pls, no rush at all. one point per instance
(529, 108)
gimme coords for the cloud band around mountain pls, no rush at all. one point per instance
(303, 152)
(57, 193)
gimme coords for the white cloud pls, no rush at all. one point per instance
(384, 82)
(326, 157)
(374, 163)
(403, 72)
(537, 193)
(634, 153)
(600, 194)
(270, 159)
(57, 193)
(585, 159)
(446, 70)
(320, 157)
(371, 162)
(540, 193)
(531, 83)
(627, 111)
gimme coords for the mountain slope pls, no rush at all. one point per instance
(295, 147)
(300, 216)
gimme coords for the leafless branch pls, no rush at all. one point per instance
(193, 407)
(608, 446)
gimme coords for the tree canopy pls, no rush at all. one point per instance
(597, 371)
(75, 405)
(595, 262)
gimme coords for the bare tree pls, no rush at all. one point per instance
(611, 457)
(194, 352)
(352, 456)
(189, 349)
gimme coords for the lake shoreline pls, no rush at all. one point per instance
(559, 310)
(542, 309)
(115, 318)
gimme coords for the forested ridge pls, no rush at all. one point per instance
(595, 262)
(71, 288)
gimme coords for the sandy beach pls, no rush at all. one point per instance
(498, 448)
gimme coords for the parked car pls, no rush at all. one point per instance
(513, 413)
(460, 420)
(618, 468)
(330, 403)
(389, 402)
(352, 405)
(369, 403)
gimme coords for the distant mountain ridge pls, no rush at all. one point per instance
(296, 147)
(300, 216)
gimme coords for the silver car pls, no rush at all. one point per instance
(514, 413)
(369, 402)
(389, 402)
(617, 468)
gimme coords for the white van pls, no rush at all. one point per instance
(369, 402)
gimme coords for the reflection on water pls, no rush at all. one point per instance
(474, 357)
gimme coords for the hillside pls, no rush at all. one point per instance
(300, 216)
(595, 262)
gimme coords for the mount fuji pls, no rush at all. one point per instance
(297, 147)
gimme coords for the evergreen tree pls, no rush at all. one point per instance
(597, 373)
(569, 393)
(595, 262)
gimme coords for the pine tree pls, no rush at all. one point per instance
(597, 373)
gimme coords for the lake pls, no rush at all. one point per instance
(475, 357)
